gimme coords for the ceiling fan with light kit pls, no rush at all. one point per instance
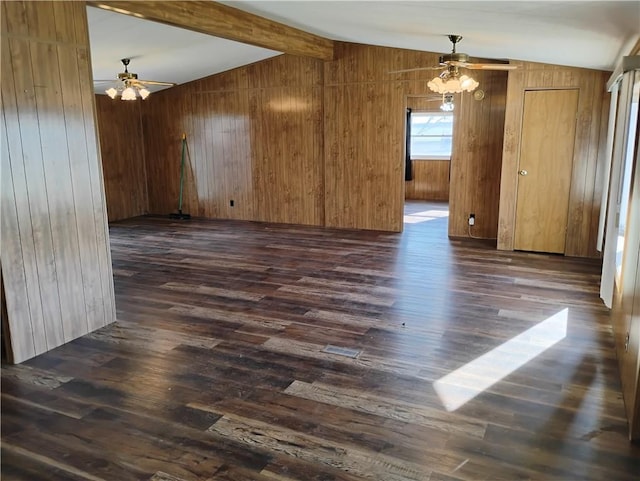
(128, 86)
(450, 80)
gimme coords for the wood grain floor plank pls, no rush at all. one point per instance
(411, 414)
(32, 375)
(70, 459)
(216, 369)
(300, 445)
(25, 465)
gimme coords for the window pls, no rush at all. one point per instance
(625, 180)
(431, 135)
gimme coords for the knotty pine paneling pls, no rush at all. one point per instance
(254, 136)
(56, 264)
(585, 193)
(123, 160)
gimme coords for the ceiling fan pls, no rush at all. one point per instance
(455, 60)
(129, 86)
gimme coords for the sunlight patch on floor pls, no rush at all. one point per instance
(465, 383)
(425, 216)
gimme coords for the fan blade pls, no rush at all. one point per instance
(105, 81)
(416, 69)
(155, 82)
(489, 66)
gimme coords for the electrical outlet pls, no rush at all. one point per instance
(472, 219)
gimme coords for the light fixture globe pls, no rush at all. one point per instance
(468, 84)
(144, 93)
(450, 81)
(128, 94)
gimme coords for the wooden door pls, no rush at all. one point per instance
(544, 172)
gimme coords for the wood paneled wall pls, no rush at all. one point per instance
(254, 137)
(586, 181)
(164, 119)
(364, 141)
(477, 158)
(123, 161)
(290, 143)
(430, 180)
(56, 264)
(364, 125)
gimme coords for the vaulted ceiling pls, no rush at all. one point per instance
(575, 33)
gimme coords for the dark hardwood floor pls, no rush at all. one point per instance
(248, 351)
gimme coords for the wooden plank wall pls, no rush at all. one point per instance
(477, 157)
(364, 141)
(338, 159)
(290, 143)
(356, 191)
(364, 121)
(430, 180)
(123, 162)
(586, 182)
(163, 122)
(56, 263)
(430, 177)
(254, 137)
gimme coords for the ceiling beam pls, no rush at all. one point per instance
(222, 21)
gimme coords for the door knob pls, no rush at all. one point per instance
(523, 172)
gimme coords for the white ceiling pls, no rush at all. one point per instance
(160, 52)
(575, 33)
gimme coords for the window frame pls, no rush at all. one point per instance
(411, 136)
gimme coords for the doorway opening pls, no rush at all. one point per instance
(419, 211)
(429, 143)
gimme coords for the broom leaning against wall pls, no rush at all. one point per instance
(181, 215)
